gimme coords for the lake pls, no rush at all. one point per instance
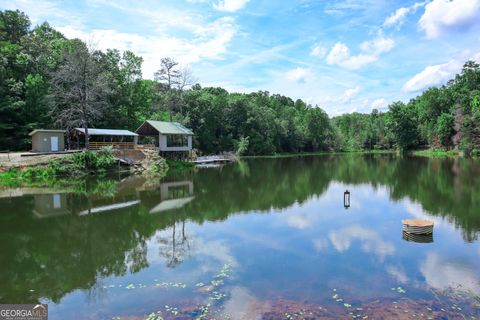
(259, 239)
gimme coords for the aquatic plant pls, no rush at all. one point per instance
(155, 316)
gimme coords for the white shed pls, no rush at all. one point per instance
(48, 140)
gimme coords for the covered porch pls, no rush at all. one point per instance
(99, 138)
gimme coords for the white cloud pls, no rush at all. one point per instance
(378, 103)
(443, 273)
(398, 274)
(444, 15)
(432, 76)
(207, 43)
(340, 7)
(339, 53)
(318, 51)
(439, 74)
(378, 45)
(344, 97)
(230, 5)
(298, 222)
(398, 17)
(371, 241)
(371, 50)
(349, 94)
(162, 19)
(242, 304)
(215, 249)
(41, 10)
(299, 75)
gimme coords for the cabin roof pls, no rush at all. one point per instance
(45, 130)
(106, 132)
(165, 127)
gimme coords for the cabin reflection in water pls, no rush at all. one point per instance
(129, 193)
(174, 195)
(50, 205)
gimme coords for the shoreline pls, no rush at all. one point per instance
(429, 153)
(13, 175)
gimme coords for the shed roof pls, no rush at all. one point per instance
(45, 130)
(107, 132)
(165, 127)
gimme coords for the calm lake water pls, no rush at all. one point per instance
(260, 239)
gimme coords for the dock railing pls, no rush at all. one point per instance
(93, 145)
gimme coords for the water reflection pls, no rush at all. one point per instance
(417, 238)
(174, 195)
(121, 194)
(50, 205)
(278, 222)
(442, 273)
(370, 241)
(175, 248)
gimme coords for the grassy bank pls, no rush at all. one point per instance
(320, 153)
(74, 165)
(81, 164)
(174, 165)
(436, 153)
(431, 153)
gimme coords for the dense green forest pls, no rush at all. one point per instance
(49, 81)
(445, 118)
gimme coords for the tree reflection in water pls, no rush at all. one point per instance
(46, 245)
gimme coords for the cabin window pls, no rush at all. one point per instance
(177, 140)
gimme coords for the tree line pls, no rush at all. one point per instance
(446, 118)
(49, 81)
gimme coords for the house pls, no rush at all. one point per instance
(47, 140)
(168, 136)
(98, 138)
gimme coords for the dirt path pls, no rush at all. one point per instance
(15, 159)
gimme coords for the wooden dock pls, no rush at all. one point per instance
(212, 160)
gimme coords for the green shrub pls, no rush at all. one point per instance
(105, 158)
(159, 167)
(242, 146)
(10, 174)
(475, 152)
(100, 160)
(179, 165)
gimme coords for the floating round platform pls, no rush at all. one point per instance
(417, 226)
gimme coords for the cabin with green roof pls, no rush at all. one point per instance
(172, 136)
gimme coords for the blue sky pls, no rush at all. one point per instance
(345, 56)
